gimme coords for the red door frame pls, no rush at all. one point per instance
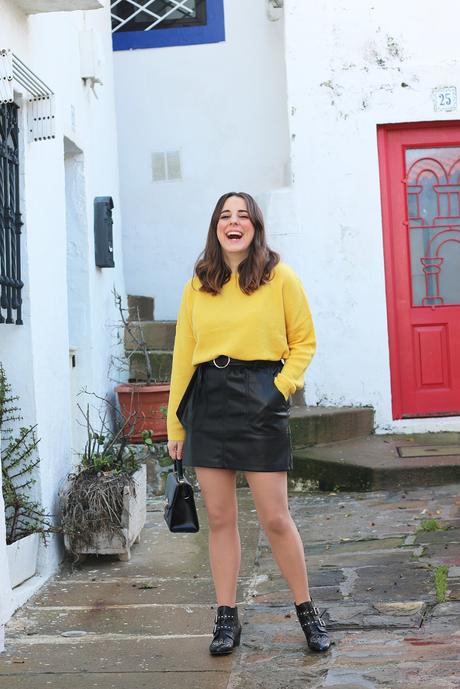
(388, 201)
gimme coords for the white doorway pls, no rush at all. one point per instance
(78, 288)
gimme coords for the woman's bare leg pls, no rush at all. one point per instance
(269, 490)
(218, 487)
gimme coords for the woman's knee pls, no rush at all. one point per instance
(277, 523)
(218, 490)
(219, 518)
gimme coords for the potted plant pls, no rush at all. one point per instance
(25, 519)
(143, 403)
(103, 503)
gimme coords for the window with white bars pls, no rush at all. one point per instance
(145, 15)
(166, 23)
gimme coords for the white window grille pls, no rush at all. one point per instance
(40, 106)
(144, 15)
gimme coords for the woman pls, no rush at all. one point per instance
(243, 340)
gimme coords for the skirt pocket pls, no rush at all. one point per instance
(269, 410)
(281, 396)
(184, 407)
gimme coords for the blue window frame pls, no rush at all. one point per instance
(164, 23)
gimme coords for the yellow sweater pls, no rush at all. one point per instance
(273, 323)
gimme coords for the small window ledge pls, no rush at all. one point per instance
(37, 6)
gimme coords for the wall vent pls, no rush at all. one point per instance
(166, 166)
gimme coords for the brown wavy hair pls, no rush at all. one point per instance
(254, 270)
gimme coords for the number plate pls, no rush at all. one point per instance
(445, 98)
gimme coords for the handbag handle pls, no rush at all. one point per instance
(178, 468)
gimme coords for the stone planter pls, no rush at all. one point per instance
(132, 522)
(22, 558)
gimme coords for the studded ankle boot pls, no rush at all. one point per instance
(227, 631)
(313, 626)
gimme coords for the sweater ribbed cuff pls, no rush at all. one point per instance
(283, 386)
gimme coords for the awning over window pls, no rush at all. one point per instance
(37, 6)
(40, 106)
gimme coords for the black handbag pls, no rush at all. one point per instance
(179, 503)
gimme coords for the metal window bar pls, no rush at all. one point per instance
(40, 106)
(174, 6)
(10, 216)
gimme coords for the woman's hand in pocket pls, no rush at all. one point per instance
(281, 395)
(175, 448)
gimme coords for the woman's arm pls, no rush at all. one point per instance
(182, 367)
(300, 335)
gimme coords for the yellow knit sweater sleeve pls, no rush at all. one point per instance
(300, 334)
(182, 367)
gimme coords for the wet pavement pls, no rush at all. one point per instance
(146, 624)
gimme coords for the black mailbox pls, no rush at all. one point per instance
(103, 234)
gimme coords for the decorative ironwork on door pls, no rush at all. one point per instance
(10, 216)
(433, 201)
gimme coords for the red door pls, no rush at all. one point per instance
(420, 185)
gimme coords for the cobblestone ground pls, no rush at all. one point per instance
(145, 624)
(372, 566)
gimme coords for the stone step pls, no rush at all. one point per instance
(140, 308)
(315, 425)
(160, 361)
(158, 335)
(373, 463)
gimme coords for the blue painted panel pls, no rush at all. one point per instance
(212, 32)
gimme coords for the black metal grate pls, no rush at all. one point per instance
(10, 216)
(145, 15)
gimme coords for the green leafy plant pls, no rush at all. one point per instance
(107, 446)
(440, 582)
(23, 514)
(430, 525)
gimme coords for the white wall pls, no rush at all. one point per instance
(36, 355)
(351, 66)
(223, 106)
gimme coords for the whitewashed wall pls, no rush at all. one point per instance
(223, 106)
(57, 243)
(351, 66)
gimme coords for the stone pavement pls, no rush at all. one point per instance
(145, 624)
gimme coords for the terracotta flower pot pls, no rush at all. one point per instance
(140, 405)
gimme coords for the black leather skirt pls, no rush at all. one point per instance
(236, 418)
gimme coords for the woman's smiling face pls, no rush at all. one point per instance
(235, 230)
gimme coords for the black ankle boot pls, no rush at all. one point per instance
(313, 626)
(227, 631)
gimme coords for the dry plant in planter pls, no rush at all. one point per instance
(103, 503)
